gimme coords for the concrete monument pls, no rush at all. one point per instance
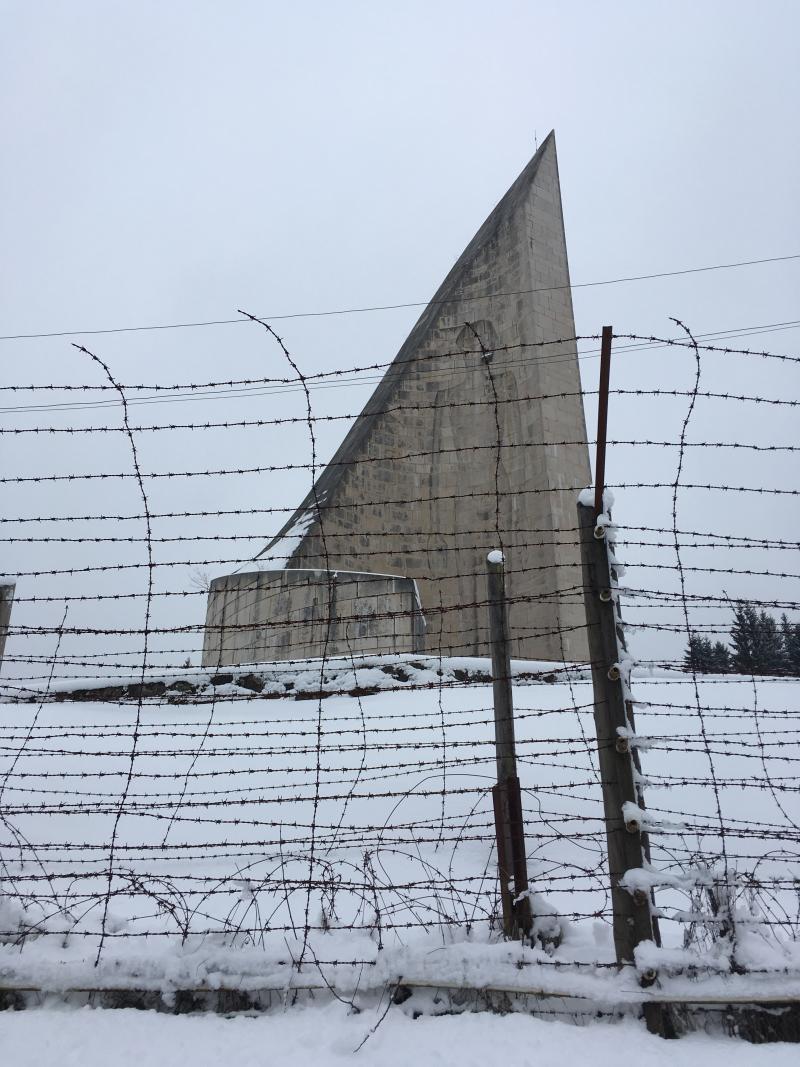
(419, 492)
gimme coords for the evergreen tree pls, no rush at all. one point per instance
(790, 632)
(770, 650)
(758, 645)
(720, 658)
(743, 638)
(698, 656)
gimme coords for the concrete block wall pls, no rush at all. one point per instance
(266, 615)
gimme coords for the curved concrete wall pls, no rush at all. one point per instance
(267, 615)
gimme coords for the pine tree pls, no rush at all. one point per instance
(698, 656)
(720, 658)
(770, 645)
(790, 632)
(758, 645)
(743, 638)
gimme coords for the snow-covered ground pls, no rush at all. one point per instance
(355, 835)
(327, 1035)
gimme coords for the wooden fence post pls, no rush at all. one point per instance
(506, 795)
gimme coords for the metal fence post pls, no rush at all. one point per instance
(506, 795)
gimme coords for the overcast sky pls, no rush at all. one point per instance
(168, 162)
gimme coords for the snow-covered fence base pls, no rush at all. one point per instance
(465, 976)
(215, 886)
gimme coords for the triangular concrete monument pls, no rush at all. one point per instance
(386, 509)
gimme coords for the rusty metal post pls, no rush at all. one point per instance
(6, 600)
(506, 795)
(602, 418)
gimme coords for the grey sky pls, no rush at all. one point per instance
(168, 162)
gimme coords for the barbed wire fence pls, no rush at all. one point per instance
(334, 811)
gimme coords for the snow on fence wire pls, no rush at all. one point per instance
(337, 812)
